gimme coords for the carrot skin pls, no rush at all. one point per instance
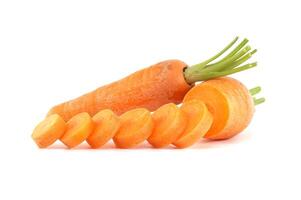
(149, 88)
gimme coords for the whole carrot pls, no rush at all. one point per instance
(151, 87)
(230, 103)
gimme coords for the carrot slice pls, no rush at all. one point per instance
(135, 126)
(230, 103)
(169, 123)
(198, 123)
(79, 127)
(106, 124)
(49, 130)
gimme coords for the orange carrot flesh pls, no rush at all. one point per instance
(216, 103)
(106, 124)
(135, 126)
(198, 123)
(230, 103)
(169, 123)
(79, 127)
(49, 130)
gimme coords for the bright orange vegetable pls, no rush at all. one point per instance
(154, 86)
(169, 123)
(79, 127)
(49, 130)
(199, 122)
(106, 124)
(230, 103)
(135, 126)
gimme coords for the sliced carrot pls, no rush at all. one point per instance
(198, 123)
(230, 103)
(49, 130)
(169, 123)
(79, 127)
(106, 124)
(135, 126)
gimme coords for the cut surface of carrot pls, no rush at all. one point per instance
(199, 120)
(135, 126)
(230, 103)
(106, 124)
(49, 130)
(79, 127)
(169, 123)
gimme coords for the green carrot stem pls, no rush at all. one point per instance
(259, 101)
(202, 64)
(242, 60)
(230, 64)
(234, 51)
(211, 75)
(221, 65)
(255, 90)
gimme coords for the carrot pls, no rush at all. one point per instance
(200, 120)
(49, 130)
(154, 86)
(230, 103)
(106, 124)
(79, 127)
(135, 126)
(169, 123)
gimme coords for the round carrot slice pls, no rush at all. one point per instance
(230, 103)
(135, 126)
(79, 127)
(169, 123)
(106, 124)
(49, 130)
(199, 122)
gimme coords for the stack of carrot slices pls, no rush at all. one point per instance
(215, 109)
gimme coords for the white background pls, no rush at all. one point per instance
(51, 51)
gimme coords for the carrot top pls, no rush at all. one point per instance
(229, 64)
